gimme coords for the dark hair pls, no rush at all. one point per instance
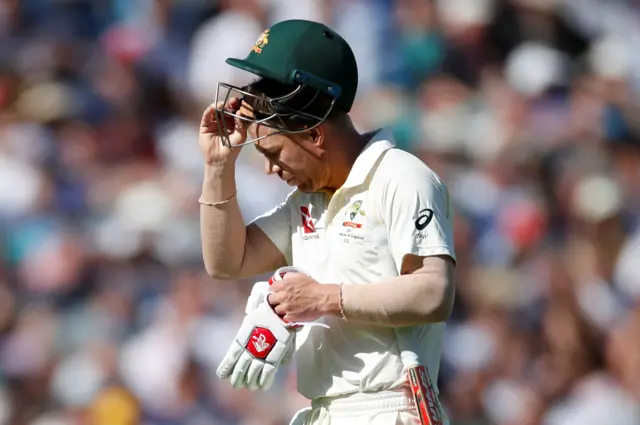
(307, 100)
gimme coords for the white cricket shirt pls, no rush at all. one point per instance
(391, 205)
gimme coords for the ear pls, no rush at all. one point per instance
(317, 135)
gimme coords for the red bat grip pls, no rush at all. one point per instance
(424, 396)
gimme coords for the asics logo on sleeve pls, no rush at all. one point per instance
(424, 218)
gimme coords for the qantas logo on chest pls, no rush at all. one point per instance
(308, 225)
(307, 221)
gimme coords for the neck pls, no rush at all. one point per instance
(348, 148)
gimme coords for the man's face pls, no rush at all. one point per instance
(295, 158)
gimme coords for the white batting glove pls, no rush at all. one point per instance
(263, 342)
(257, 350)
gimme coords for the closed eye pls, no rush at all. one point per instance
(267, 153)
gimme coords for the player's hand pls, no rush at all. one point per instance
(261, 345)
(300, 298)
(210, 139)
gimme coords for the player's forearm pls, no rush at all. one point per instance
(222, 228)
(401, 301)
(219, 182)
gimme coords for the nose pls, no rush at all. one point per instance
(270, 167)
(252, 129)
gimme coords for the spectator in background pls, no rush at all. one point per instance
(527, 109)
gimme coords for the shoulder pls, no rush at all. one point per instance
(402, 171)
(400, 165)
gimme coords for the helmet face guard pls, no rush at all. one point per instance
(277, 112)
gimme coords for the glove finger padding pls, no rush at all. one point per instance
(229, 361)
(268, 376)
(253, 376)
(240, 370)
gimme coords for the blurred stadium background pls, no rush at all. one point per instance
(527, 108)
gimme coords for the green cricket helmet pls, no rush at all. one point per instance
(307, 62)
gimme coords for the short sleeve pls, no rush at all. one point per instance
(416, 210)
(276, 224)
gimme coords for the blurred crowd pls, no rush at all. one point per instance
(528, 109)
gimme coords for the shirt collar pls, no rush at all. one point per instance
(380, 142)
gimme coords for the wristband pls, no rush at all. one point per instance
(213, 204)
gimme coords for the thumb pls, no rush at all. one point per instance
(273, 300)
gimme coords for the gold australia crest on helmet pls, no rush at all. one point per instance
(262, 41)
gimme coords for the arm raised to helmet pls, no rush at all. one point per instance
(229, 248)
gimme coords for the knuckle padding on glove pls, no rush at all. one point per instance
(264, 335)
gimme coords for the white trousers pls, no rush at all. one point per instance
(383, 408)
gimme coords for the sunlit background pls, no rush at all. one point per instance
(528, 109)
